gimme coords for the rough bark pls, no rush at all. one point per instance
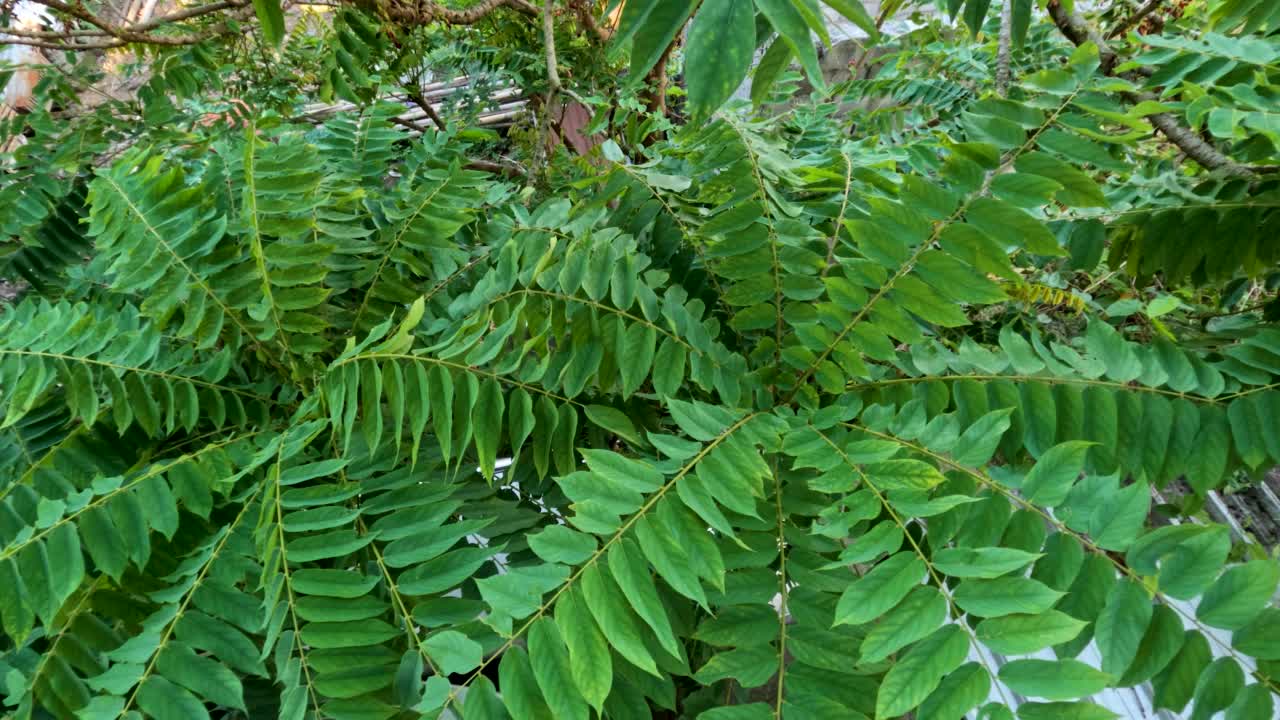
(1079, 31)
(1004, 55)
(1133, 20)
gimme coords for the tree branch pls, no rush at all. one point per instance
(105, 34)
(421, 102)
(413, 13)
(1132, 21)
(582, 9)
(121, 35)
(1004, 54)
(1078, 31)
(549, 44)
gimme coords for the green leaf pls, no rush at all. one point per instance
(1053, 679)
(560, 544)
(520, 687)
(1005, 596)
(614, 421)
(482, 702)
(1116, 523)
(1175, 685)
(1261, 637)
(769, 68)
(605, 601)
(749, 711)
(790, 24)
(1255, 702)
(919, 613)
(359, 633)
(590, 663)
(960, 692)
(870, 596)
(454, 652)
(1121, 626)
(200, 675)
(1021, 634)
(225, 642)
(549, 659)
(885, 537)
(630, 571)
(979, 442)
(1219, 686)
(751, 667)
(989, 562)
(1052, 477)
(855, 13)
(486, 417)
(718, 53)
(1161, 642)
(1064, 711)
(903, 475)
(975, 12)
(920, 671)
(653, 32)
(1239, 594)
(163, 700)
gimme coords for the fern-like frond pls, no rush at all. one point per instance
(111, 361)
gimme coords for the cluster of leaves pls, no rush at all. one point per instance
(760, 421)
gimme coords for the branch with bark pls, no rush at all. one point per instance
(104, 34)
(1079, 31)
(422, 13)
(1134, 19)
(1004, 53)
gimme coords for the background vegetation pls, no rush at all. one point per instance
(903, 398)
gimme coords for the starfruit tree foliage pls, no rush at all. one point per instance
(781, 444)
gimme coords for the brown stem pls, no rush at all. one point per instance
(549, 44)
(1078, 31)
(421, 102)
(1132, 21)
(1004, 55)
(122, 34)
(511, 170)
(428, 12)
(657, 81)
(582, 8)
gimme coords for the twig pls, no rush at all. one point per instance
(121, 35)
(582, 8)
(1132, 21)
(407, 124)
(428, 12)
(542, 151)
(1079, 32)
(421, 102)
(1004, 55)
(510, 170)
(549, 43)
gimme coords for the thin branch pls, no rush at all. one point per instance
(549, 43)
(121, 34)
(1132, 21)
(411, 125)
(582, 9)
(429, 12)
(416, 97)
(509, 170)
(139, 33)
(1079, 31)
(1004, 55)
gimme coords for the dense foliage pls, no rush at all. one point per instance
(891, 405)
